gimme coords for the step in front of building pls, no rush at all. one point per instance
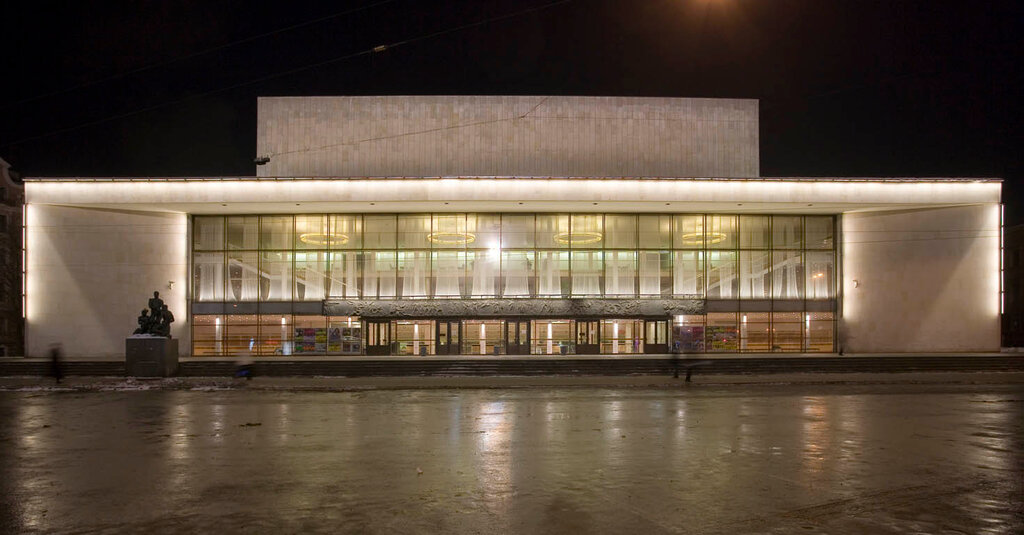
(541, 367)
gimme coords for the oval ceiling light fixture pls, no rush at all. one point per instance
(700, 238)
(319, 238)
(451, 238)
(578, 238)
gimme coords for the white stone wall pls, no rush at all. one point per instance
(90, 272)
(507, 136)
(922, 280)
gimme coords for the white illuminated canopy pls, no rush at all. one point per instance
(509, 194)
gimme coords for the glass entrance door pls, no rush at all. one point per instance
(656, 336)
(517, 337)
(447, 337)
(378, 337)
(587, 337)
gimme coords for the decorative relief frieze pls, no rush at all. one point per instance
(533, 308)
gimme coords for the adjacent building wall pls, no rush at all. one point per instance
(507, 136)
(921, 280)
(12, 199)
(91, 271)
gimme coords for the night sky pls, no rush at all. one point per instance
(847, 88)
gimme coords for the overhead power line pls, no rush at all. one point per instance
(287, 72)
(179, 59)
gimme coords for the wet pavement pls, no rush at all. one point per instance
(803, 458)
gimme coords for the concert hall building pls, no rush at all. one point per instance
(491, 225)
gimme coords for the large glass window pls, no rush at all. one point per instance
(787, 275)
(755, 274)
(820, 274)
(553, 231)
(413, 273)
(485, 231)
(414, 232)
(311, 273)
(587, 273)
(755, 331)
(819, 232)
(379, 231)
(518, 274)
(755, 232)
(346, 232)
(208, 273)
(483, 273)
(276, 276)
(243, 232)
(688, 231)
(373, 256)
(720, 231)
(688, 268)
(787, 232)
(620, 273)
(654, 231)
(722, 280)
(517, 231)
(243, 276)
(208, 234)
(343, 279)
(379, 275)
(587, 231)
(553, 337)
(787, 331)
(311, 232)
(276, 232)
(721, 332)
(450, 273)
(620, 231)
(552, 274)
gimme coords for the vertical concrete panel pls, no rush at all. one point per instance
(90, 272)
(921, 280)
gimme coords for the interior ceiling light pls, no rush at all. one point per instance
(319, 238)
(451, 238)
(700, 237)
(578, 238)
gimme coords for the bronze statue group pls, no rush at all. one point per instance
(157, 320)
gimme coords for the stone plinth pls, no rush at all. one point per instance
(151, 356)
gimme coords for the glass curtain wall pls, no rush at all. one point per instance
(468, 256)
(312, 257)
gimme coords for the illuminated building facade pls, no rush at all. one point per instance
(475, 226)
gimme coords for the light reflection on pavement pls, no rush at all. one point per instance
(739, 459)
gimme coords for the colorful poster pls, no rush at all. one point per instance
(334, 340)
(310, 340)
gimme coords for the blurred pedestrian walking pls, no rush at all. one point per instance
(55, 365)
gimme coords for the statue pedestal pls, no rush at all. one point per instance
(150, 356)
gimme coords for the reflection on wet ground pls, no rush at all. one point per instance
(739, 459)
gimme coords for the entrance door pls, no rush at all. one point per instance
(656, 336)
(517, 335)
(378, 337)
(587, 337)
(447, 337)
